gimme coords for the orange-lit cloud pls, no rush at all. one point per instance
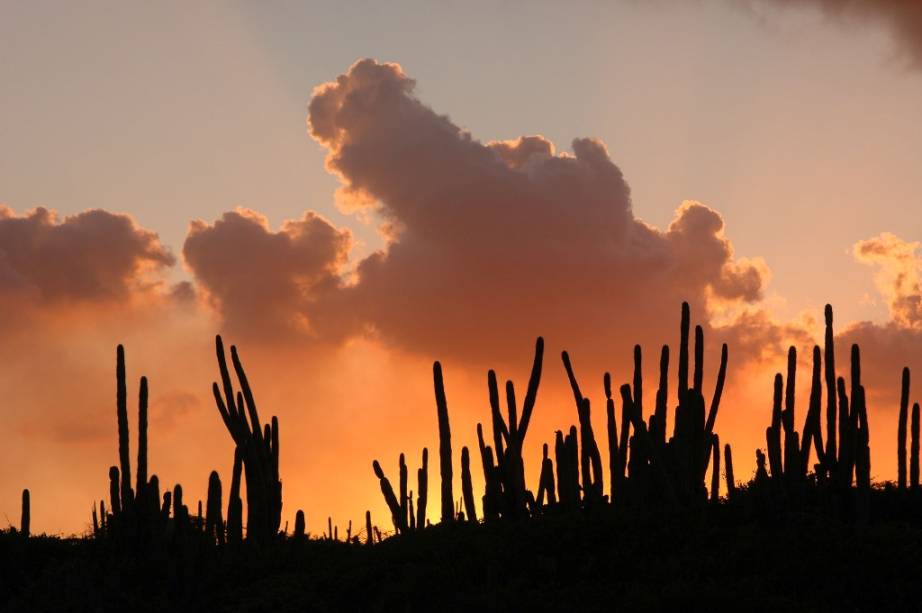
(263, 282)
(495, 243)
(94, 256)
(890, 346)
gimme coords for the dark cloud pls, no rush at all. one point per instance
(264, 283)
(903, 18)
(493, 244)
(94, 256)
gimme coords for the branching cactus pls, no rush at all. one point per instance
(506, 492)
(390, 498)
(259, 447)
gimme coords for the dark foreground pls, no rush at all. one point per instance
(743, 556)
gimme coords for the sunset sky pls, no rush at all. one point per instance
(349, 191)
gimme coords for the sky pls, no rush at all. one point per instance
(340, 189)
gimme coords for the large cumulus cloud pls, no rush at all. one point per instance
(494, 243)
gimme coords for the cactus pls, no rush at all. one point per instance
(300, 524)
(445, 469)
(715, 470)
(467, 489)
(830, 375)
(114, 499)
(142, 439)
(234, 502)
(812, 432)
(390, 498)
(773, 433)
(214, 522)
(728, 471)
(506, 493)
(25, 524)
(259, 446)
(590, 459)
(616, 473)
(404, 500)
(121, 405)
(901, 430)
(683, 352)
(369, 535)
(914, 448)
(422, 487)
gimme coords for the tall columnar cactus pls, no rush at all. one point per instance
(615, 472)
(422, 490)
(914, 448)
(234, 502)
(715, 470)
(404, 499)
(259, 446)
(121, 406)
(773, 432)
(115, 503)
(369, 534)
(300, 524)
(214, 521)
(901, 430)
(142, 439)
(136, 509)
(830, 374)
(728, 471)
(445, 469)
(25, 524)
(467, 489)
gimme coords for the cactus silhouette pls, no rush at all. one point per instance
(25, 523)
(259, 448)
(657, 462)
(445, 470)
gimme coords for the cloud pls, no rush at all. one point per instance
(903, 18)
(264, 283)
(898, 276)
(888, 347)
(494, 243)
(91, 257)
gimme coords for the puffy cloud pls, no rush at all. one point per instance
(887, 348)
(898, 276)
(91, 257)
(264, 282)
(493, 244)
(902, 17)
